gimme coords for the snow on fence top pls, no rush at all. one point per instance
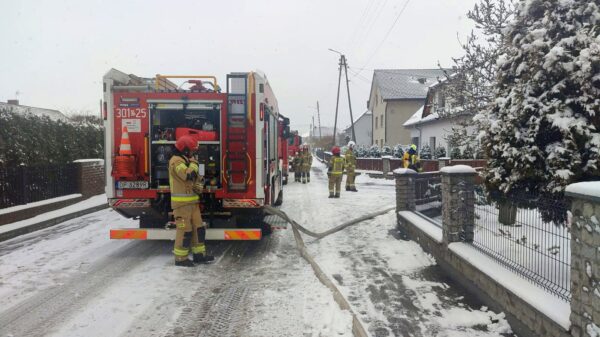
(404, 171)
(588, 188)
(88, 160)
(458, 169)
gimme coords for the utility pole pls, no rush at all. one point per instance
(349, 101)
(319, 120)
(337, 102)
(344, 64)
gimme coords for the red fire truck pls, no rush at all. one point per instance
(238, 132)
(284, 134)
(294, 142)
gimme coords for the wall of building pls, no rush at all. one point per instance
(377, 106)
(362, 127)
(398, 112)
(439, 129)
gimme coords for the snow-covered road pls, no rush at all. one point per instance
(70, 280)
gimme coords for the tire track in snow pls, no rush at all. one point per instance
(37, 315)
(220, 308)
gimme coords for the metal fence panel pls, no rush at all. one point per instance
(515, 232)
(22, 185)
(428, 195)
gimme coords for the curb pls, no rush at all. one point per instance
(49, 223)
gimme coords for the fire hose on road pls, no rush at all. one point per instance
(357, 328)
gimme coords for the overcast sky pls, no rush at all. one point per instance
(54, 53)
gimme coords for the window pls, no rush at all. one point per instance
(376, 121)
(381, 120)
(415, 140)
(440, 100)
(432, 143)
(376, 99)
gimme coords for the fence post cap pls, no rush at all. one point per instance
(589, 190)
(401, 171)
(458, 169)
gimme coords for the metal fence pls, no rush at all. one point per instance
(428, 195)
(22, 185)
(528, 235)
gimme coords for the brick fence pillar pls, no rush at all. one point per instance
(405, 195)
(585, 258)
(405, 189)
(385, 165)
(458, 203)
(90, 177)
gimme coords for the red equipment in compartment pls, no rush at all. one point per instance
(198, 135)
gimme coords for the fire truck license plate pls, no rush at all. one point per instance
(132, 184)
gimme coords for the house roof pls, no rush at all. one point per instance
(417, 118)
(24, 109)
(405, 83)
(365, 114)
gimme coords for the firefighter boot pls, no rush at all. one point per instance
(348, 188)
(308, 177)
(199, 250)
(184, 263)
(181, 250)
(331, 195)
(203, 258)
(337, 195)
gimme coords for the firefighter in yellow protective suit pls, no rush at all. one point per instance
(186, 183)
(297, 166)
(411, 159)
(350, 167)
(335, 172)
(306, 164)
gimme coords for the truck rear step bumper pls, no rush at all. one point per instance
(231, 234)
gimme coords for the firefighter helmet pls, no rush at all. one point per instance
(414, 147)
(335, 150)
(351, 144)
(186, 142)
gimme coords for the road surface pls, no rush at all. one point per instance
(70, 280)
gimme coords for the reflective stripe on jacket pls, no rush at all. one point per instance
(182, 189)
(336, 164)
(350, 161)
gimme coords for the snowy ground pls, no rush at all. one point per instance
(70, 280)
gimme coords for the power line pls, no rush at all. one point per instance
(362, 20)
(370, 26)
(386, 35)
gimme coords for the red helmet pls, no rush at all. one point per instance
(186, 142)
(335, 150)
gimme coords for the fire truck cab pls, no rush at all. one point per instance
(238, 133)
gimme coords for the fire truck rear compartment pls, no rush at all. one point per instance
(169, 121)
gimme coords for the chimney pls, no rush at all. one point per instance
(13, 101)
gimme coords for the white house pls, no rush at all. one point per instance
(13, 105)
(394, 97)
(428, 125)
(363, 129)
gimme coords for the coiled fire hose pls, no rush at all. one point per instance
(358, 330)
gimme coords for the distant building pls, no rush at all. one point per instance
(363, 129)
(324, 132)
(429, 125)
(395, 96)
(13, 104)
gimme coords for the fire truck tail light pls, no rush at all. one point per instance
(262, 111)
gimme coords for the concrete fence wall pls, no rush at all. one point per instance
(458, 225)
(90, 181)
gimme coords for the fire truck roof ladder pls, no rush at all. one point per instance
(236, 148)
